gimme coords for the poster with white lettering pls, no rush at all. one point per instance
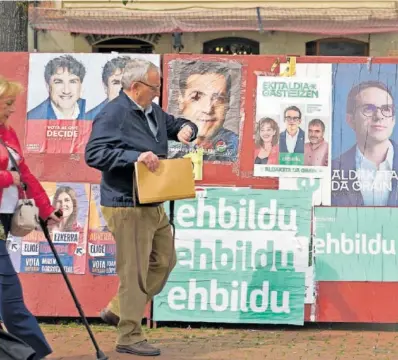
(292, 126)
(66, 92)
(365, 138)
(242, 257)
(362, 249)
(101, 246)
(69, 236)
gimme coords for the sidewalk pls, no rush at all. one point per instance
(70, 342)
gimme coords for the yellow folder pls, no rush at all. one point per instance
(173, 180)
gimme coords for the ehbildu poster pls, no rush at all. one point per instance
(292, 127)
(66, 92)
(242, 257)
(69, 236)
(101, 244)
(356, 244)
(210, 94)
(365, 135)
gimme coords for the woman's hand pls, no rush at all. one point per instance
(53, 219)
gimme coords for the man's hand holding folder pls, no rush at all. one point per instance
(150, 160)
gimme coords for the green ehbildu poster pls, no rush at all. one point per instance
(355, 244)
(242, 258)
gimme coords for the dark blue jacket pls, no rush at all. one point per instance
(299, 148)
(120, 133)
(348, 196)
(45, 111)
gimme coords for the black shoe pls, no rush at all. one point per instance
(109, 317)
(142, 348)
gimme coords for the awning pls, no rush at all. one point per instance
(327, 21)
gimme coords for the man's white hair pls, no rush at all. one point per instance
(137, 70)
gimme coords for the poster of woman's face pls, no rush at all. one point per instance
(266, 138)
(71, 199)
(267, 131)
(66, 201)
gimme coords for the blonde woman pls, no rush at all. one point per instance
(16, 317)
(266, 138)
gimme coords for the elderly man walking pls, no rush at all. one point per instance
(132, 128)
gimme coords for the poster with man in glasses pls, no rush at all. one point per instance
(292, 126)
(365, 139)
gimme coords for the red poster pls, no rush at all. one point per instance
(57, 136)
(66, 92)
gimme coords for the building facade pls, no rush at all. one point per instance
(329, 28)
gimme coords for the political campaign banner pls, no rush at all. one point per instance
(365, 150)
(292, 125)
(242, 257)
(356, 244)
(68, 236)
(209, 93)
(319, 187)
(14, 247)
(66, 92)
(101, 245)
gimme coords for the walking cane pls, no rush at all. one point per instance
(100, 355)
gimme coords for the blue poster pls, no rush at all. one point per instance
(365, 138)
(101, 245)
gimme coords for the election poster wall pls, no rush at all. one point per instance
(365, 136)
(100, 242)
(209, 93)
(69, 236)
(242, 256)
(66, 92)
(356, 244)
(292, 126)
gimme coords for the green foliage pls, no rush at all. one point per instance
(23, 5)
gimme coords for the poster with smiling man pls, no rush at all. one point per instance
(65, 93)
(209, 94)
(292, 126)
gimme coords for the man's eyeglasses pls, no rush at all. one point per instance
(370, 110)
(152, 87)
(289, 118)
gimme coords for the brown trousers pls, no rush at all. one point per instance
(155, 249)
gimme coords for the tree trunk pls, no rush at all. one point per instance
(13, 26)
